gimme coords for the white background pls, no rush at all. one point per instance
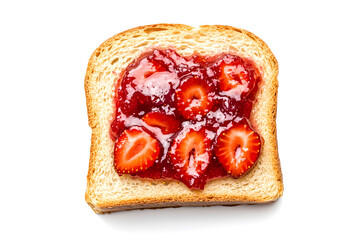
(45, 138)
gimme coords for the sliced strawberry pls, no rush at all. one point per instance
(194, 97)
(182, 64)
(238, 148)
(167, 123)
(147, 84)
(190, 156)
(145, 68)
(135, 150)
(136, 105)
(234, 78)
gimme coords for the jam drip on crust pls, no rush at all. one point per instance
(185, 118)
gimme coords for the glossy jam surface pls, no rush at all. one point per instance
(193, 100)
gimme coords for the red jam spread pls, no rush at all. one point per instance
(185, 118)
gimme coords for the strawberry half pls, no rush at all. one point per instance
(238, 148)
(194, 97)
(190, 156)
(167, 123)
(234, 78)
(135, 150)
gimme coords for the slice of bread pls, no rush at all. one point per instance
(107, 191)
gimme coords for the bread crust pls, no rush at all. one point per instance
(155, 205)
(96, 195)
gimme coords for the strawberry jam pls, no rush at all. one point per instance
(185, 118)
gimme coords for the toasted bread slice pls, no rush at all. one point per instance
(107, 191)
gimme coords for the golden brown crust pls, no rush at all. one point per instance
(174, 205)
(192, 197)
